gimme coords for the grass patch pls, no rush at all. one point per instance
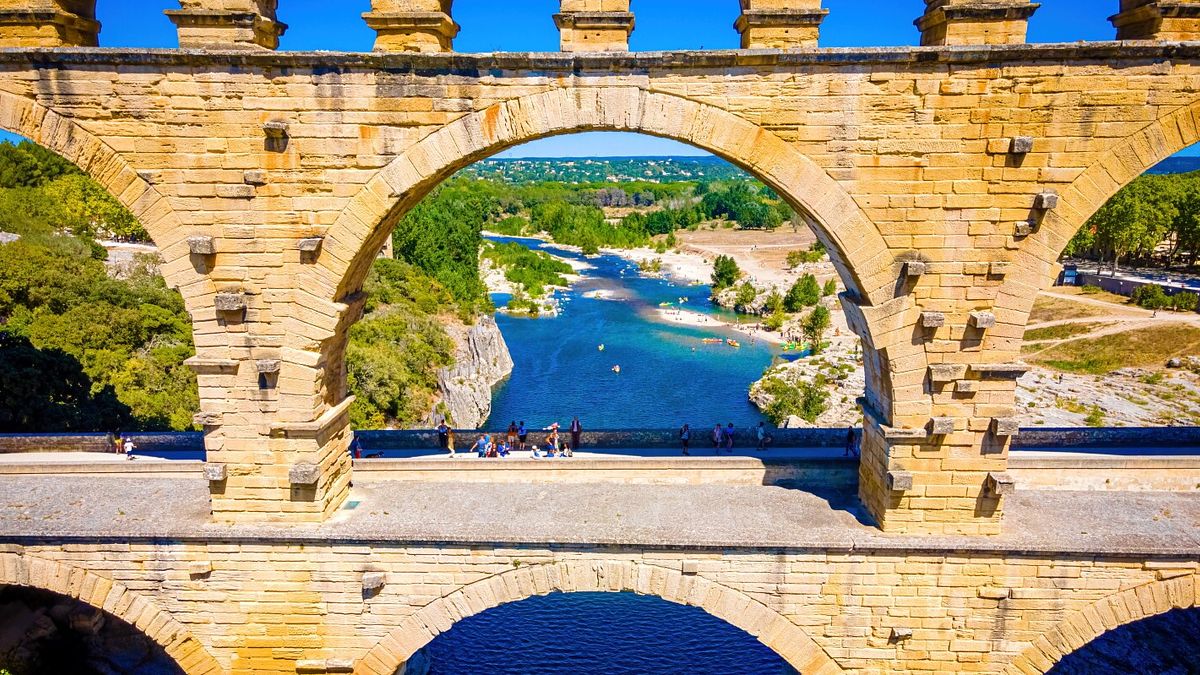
(1056, 309)
(1093, 293)
(1148, 347)
(1062, 332)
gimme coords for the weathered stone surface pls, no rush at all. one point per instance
(481, 361)
(1024, 228)
(48, 23)
(941, 373)
(236, 191)
(1006, 426)
(1021, 145)
(372, 582)
(1175, 20)
(899, 633)
(227, 24)
(999, 484)
(780, 24)
(230, 302)
(412, 25)
(975, 22)
(594, 25)
(941, 426)
(899, 481)
(304, 474)
(268, 366)
(1045, 201)
(202, 245)
(914, 268)
(933, 319)
(311, 245)
(982, 320)
(255, 177)
(215, 472)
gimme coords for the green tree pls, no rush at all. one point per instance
(830, 288)
(814, 328)
(746, 295)
(1134, 221)
(806, 292)
(725, 273)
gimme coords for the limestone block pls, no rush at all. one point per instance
(372, 582)
(941, 373)
(236, 191)
(311, 245)
(202, 245)
(933, 319)
(1024, 228)
(304, 474)
(412, 25)
(1167, 20)
(966, 386)
(1021, 145)
(898, 633)
(992, 593)
(999, 269)
(200, 568)
(689, 567)
(982, 320)
(594, 25)
(230, 302)
(48, 23)
(999, 484)
(914, 268)
(941, 426)
(1005, 426)
(975, 22)
(255, 177)
(780, 24)
(1000, 371)
(1045, 201)
(215, 472)
(276, 129)
(339, 665)
(899, 481)
(231, 24)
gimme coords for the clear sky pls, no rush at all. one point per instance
(526, 25)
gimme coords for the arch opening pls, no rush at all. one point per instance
(596, 632)
(1164, 643)
(45, 632)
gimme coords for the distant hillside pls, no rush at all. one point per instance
(606, 169)
(1177, 165)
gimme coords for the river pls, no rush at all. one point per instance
(668, 375)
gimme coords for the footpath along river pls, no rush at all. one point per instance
(668, 375)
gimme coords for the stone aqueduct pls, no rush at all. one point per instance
(945, 180)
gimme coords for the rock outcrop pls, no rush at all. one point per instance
(481, 361)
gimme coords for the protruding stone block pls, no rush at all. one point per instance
(372, 582)
(207, 419)
(975, 22)
(898, 634)
(215, 472)
(689, 567)
(275, 129)
(1005, 426)
(594, 25)
(966, 386)
(412, 25)
(999, 484)
(999, 269)
(982, 320)
(48, 23)
(199, 568)
(1001, 371)
(941, 373)
(311, 245)
(227, 24)
(1021, 145)
(230, 302)
(335, 666)
(268, 366)
(933, 319)
(780, 24)
(1045, 201)
(1165, 20)
(304, 474)
(1024, 228)
(254, 177)
(202, 245)
(915, 268)
(899, 481)
(941, 426)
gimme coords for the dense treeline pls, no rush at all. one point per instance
(532, 270)
(1155, 220)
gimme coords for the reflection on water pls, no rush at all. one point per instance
(668, 376)
(611, 633)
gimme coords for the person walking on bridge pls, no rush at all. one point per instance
(576, 431)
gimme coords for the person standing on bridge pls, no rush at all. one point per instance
(576, 432)
(511, 436)
(729, 438)
(522, 435)
(718, 438)
(685, 435)
(443, 432)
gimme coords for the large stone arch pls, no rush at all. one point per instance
(1084, 625)
(855, 243)
(133, 608)
(571, 576)
(1112, 170)
(56, 132)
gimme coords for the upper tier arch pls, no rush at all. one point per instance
(855, 243)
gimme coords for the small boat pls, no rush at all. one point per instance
(600, 348)
(666, 304)
(712, 341)
(733, 343)
(616, 369)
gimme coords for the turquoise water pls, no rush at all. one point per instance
(668, 376)
(611, 633)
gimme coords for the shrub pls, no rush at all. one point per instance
(746, 294)
(830, 288)
(1185, 302)
(725, 272)
(1150, 296)
(806, 292)
(1090, 290)
(806, 400)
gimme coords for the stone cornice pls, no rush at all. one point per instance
(543, 62)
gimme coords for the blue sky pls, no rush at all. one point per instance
(526, 25)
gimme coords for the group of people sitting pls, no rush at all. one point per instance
(516, 439)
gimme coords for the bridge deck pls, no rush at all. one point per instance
(656, 516)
